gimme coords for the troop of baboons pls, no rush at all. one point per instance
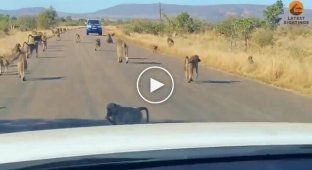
(20, 53)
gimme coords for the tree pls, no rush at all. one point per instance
(233, 28)
(227, 29)
(47, 18)
(245, 27)
(4, 23)
(182, 23)
(272, 13)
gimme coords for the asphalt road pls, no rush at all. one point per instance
(71, 82)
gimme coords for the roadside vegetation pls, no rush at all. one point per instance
(282, 54)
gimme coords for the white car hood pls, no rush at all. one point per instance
(61, 143)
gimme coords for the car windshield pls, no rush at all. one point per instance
(156, 62)
(93, 22)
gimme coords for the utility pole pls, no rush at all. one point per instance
(160, 12)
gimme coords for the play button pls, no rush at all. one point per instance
(155, 85)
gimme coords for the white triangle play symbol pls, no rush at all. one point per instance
(154, 85)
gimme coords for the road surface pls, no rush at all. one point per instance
(72, 82)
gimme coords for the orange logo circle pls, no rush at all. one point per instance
(296, 8)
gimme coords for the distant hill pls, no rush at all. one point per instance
(209, 12)
(23, 11)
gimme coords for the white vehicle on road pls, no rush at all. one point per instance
(162, 146)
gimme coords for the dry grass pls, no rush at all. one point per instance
(286, 65)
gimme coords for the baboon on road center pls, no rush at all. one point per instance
(118, 115)
(190, 64)
(77, 38)
(97, 44)
(122, 50)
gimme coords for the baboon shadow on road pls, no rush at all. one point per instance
(85, 42)
(45, 78)
(143, 62)
(137, 58)
(216, 81)
(56, 50)
(19, 125)
(51, 57)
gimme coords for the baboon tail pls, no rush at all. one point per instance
(147, 113)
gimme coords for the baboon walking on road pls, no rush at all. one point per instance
(170, 42)
(122, 51)
(4, 64)
(21, 61)
(33, 43)
(118, 115)
(45, 41)
(77, 38)
(58, 34)
(109, 39)
(155, 47)
(97, 44)
(189, 65)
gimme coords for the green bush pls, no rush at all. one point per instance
(26, 23)
(182, 23)
(4, 23)
(143, 26)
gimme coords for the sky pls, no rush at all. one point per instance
(81, 6)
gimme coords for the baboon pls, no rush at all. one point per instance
(170, 42)
(4, 64)
(21, 61)
(22, 65)
(155, 47)
(33, 43)
(53, 31)
(97, 44)
(122, 51)
(189, 65)
(45, 41)
(58, 36)
(109, 39)
(77, 38)
(112, 34)
(250, 60)
(118, 115)
(60, 30)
